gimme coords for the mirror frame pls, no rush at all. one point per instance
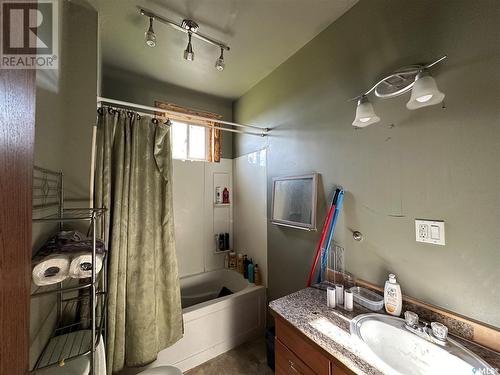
(314, 202)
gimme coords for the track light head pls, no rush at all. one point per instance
(219, 63)
(188, 52)
(365, 114)
(150, 34)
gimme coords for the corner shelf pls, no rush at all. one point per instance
(222, 204)
(222, 251)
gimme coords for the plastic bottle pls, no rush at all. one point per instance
(245, 267)
(225, 196)
(226, 261)
(393, 298)
(251, 275)
(257, 276)
(240, 263)
(232, 260)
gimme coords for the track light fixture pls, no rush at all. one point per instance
(150, 34)
(219, 63)
(188, 52)
(189, 27)
(424, 91)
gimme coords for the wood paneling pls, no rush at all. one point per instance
(17, 127)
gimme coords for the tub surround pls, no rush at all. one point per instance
(305, 312)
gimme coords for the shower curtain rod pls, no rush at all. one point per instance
(263, 131)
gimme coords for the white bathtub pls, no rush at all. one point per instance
(214, 326)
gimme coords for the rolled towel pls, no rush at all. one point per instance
(51, 269)
(81, 265)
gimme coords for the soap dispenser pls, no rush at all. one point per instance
(393, 299)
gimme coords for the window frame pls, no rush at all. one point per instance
(188, 145)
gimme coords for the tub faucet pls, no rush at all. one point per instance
(438, 333)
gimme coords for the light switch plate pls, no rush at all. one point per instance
(430, 231)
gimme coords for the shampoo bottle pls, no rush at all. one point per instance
(251, 274)
(257, 277)
(393, 299)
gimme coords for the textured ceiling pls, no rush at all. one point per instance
(262, 34)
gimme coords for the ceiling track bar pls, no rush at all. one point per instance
(150, 14)
(263, 132)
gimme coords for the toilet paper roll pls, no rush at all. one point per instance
(52, 269)
(81, 265)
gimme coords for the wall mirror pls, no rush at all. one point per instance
(294, 201)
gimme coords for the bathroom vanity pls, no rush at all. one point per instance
(314, 339)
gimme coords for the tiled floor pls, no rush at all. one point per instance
(246, 359)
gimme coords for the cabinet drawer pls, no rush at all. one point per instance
(287, 363)
(302, 349)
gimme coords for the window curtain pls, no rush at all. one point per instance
(133, 180)
(214, 135)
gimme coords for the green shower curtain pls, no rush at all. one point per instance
(133, 180)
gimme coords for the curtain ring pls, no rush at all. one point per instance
(155, 121)
(100, 111)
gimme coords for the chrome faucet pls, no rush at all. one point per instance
(438, 333)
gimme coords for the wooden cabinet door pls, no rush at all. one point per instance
(304, 350)
(288, 363)
(336, 370)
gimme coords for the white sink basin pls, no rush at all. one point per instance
(408, 354)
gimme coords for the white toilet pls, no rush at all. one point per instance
(162, 370)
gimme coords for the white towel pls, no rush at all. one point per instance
(51, 270)
(81, 265)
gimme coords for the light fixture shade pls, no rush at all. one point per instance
(365, 115)
(150, 36)
(424, 92)
(188, 52)
(219, 63)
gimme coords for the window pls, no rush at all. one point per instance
(189, 142)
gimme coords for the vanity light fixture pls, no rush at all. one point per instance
(365, 114)
(189, 27)
(150, 34)
(424, 91)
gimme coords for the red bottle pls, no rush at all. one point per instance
(225, 196)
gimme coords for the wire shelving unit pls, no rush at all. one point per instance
(80, 318)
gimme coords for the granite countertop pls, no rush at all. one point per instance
(329, 328)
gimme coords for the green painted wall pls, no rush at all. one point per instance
(431, 163)
(131, 87)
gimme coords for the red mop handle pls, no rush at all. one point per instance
(320, 244)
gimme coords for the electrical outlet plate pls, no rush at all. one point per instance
(430, 231)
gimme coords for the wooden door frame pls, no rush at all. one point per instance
(17, 133)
